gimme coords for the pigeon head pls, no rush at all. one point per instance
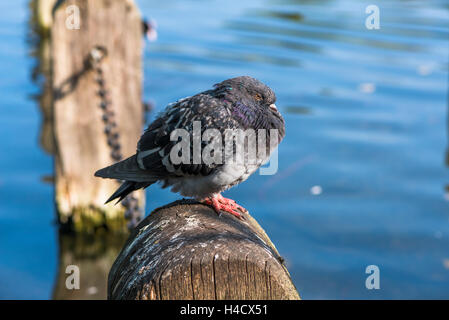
(248, 90)
(253, 103)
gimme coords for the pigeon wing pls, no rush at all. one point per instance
(155, 145)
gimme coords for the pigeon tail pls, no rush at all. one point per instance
(125, 188)
(127, 169)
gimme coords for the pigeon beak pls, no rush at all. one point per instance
(273, 107)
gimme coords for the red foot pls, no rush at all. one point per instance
(220, 203)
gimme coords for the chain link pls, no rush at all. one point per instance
(132, 211)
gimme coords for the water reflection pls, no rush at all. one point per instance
(297, 110)
(360, 170)
(446, 195)
(307, 33)
(39, 50)
(93, 256)
(362, 163)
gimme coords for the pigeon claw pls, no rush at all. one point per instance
(220, 203)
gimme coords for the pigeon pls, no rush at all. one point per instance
(241, 104)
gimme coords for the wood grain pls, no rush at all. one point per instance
(80, 142)
(185, 251)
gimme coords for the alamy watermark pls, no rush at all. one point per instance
(73, 21)
(373, 280)
(373, 20)
(72, 282)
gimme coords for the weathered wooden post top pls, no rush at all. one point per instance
(186, 251)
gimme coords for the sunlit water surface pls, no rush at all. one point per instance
(362, 170)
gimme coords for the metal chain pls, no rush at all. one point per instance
(132, 211)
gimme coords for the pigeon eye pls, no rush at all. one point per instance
(257, 97)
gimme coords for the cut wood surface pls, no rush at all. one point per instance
(186, 251)
(80, 140)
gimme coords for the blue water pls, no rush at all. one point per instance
(363, 177)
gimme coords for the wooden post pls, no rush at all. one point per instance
(93, 256)
(80, 140)
(40, 22)
(44, 17)
(185, 251)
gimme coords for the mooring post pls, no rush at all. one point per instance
(88, 258)
(43, 12)
(40, 22)
(185, 251)
(97, 110)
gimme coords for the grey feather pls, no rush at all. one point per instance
(126, 188)
(126, 170)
